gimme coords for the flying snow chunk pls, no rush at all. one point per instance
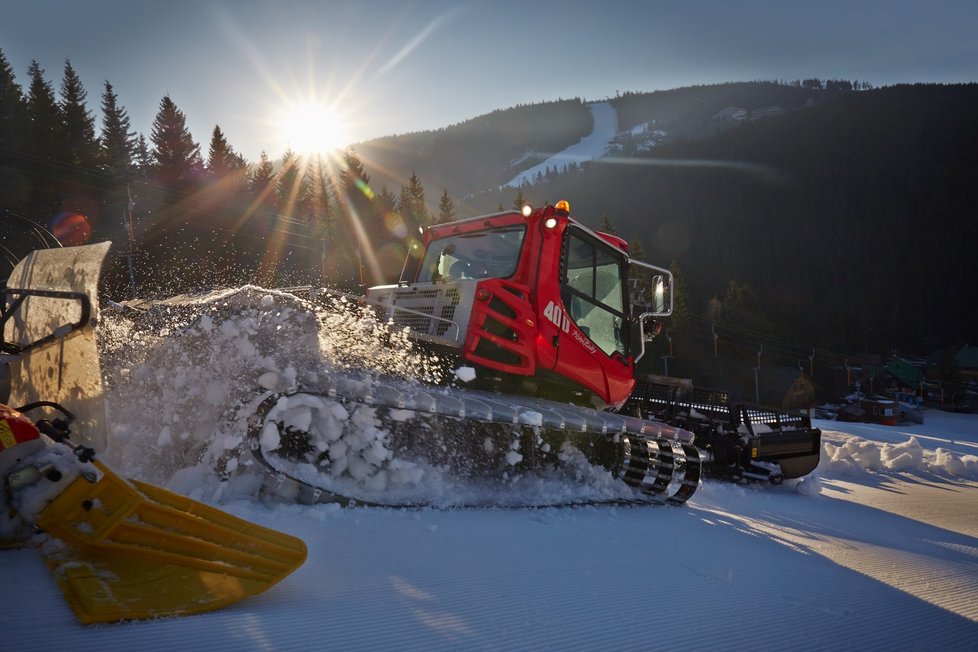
(270, 437)
(465, 374)
(268, 380)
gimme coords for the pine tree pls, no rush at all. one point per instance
(175, 154)
(78, 126)
(44, 138)
(13, 109)
(446, 208)
(321, 201)
(144, 160)
(261, 183)
(418, 214)
(607, 226)
(354, 178)
(519, 202)
(291, 192)
(13, 127)
(222, 160)
(44, 133)
(385, 201)
(118, 142)
(404, 201)
(362, 229)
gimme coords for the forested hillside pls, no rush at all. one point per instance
(826, 214)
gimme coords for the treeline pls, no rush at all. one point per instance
(689, 112)
(190, 218)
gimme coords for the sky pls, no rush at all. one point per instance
(383, 67)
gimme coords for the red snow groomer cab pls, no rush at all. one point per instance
(538, 303)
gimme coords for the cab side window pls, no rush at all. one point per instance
(592, 289)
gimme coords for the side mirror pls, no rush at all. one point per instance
(658, 294)
(651, 291)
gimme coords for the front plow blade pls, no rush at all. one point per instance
(139, 551)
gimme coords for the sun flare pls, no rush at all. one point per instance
(312, 128)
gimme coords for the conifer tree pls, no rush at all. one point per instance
(44, 133)
(261, 184)
(321, 201)
(356, 191)
(13, 127)
(404, 202)
(362, 220)
(175, 154)
(355, 180)
(222, 160)
(291, 192)
(418, 212)
(386, 201)
(606, 225)
(144, 160)
(78, 124)
(13, 109)
(118, 142)
(44, 138)
(446, 208)
(520, 201)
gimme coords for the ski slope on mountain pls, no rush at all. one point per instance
(878, 549)
(590, 147)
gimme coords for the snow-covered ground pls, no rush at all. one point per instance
(878, 550)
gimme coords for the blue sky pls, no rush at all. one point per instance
(393, 67)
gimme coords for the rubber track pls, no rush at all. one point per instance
(579, 425)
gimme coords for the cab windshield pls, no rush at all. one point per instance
(485, 254)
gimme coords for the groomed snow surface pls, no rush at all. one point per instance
(877, 550)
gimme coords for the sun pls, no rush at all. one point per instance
(312, 128)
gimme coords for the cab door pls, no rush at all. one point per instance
(595, 352)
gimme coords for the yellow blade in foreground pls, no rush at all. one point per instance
(139, 551)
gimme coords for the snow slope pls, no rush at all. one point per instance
(592, 146)
(879, 550)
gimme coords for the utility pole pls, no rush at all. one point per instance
(132, 242)
(757, 382)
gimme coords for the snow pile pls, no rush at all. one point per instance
(183, 379)
(853, 455)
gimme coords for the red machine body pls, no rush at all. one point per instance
(15, 428)
(534, 297)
